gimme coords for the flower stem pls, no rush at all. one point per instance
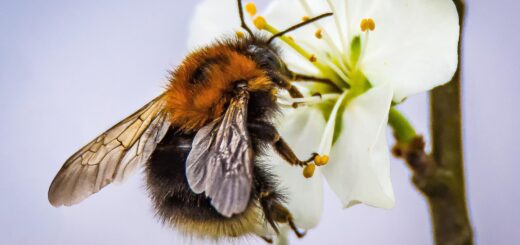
(403, 129)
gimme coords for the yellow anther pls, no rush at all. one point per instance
(371, 24)
(260, 22)
(321, 160)
(368, 25)
(308, 171)
(305, 18)
(240, 34)
(251, 9)
(363, 25)
(290, 38)
(318, 34)
(313, 58)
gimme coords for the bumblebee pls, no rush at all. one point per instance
(200, 142)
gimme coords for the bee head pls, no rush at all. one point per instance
(268, 59)
(262, 49)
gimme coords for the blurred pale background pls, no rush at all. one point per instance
(71, 69)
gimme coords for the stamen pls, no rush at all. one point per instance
(321, 160)
(333, 68)
(326, 37)
(308, 171)
(348, 31)
(305, 18)
(368, 25)
(290, 41)
(251, 9)
(371, 24)
(260, 22)
(240, 34)
(313, 58)
(363, 25)
(338, 26)
(315, 99)
(318, 33)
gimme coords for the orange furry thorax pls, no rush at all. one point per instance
(201, 87)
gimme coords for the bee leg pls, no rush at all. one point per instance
(267, 239)
(267, 132)
(276, 212)
(288, 155)
(285, 83)
(266, 203)
(299, 234)
(295, 93)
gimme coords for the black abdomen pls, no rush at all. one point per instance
(178, 206)
(167, 183)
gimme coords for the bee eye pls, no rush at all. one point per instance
(265, 57)
(269, 60)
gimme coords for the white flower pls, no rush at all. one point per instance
(376, 52)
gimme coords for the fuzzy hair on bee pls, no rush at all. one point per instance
(201, 88)
(201, 143)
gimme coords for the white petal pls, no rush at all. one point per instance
(328, 133)
(359, 170)
(414, 45)
(302, 130)
(212, 19)
(285, 13)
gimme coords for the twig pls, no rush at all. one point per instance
(443, 187)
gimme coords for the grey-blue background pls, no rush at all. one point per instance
(70, 69)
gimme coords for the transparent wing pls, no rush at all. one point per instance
(112, 156)
(220, 162)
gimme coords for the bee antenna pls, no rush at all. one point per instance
(294, 27)
(242, 22)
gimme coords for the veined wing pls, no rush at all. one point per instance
(112, 156)
(221, 160)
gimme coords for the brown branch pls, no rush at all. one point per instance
(440, 176)
(443, 187)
